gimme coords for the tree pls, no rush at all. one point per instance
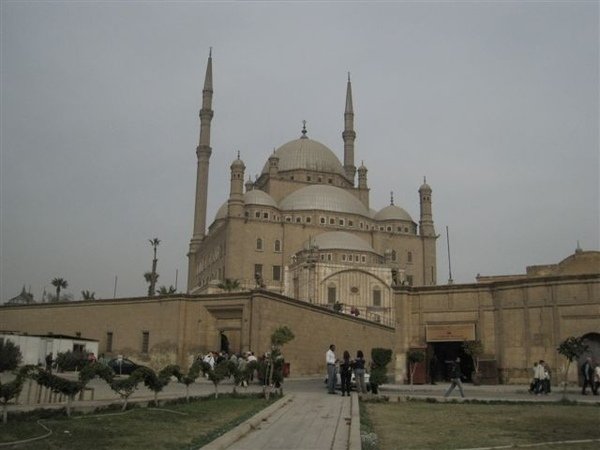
(229, 285)
(190, 377)
(474, 349)
(274, 360)
(216, 374)
(124, 387)
(87, 295)
(414, 358)
(163, 290)
(12, 389)
(380, 359)
(10, 355)
(59, 283)
(156, 382)
(153, 275)
(59, 385)
(571, 348)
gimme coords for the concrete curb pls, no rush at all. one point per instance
(246, 427)
(354, 442)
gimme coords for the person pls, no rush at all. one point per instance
(346, 373)
(433, 368)
(534, 379)
(330, 361)
(359, 372)
(587, 373)
(546, 378)
(49, 362)
(539, 377)
(597, 379)
(455, 376)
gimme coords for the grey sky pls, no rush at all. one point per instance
(496, 103)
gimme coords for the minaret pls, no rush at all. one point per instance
(349, 135)
(203, 152)
(363, 189)
(428, 236)
(235, 204)
(426, 221)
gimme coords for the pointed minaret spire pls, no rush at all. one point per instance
(391, 198)
(203, 152)
(349, 135)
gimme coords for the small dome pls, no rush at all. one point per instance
(425, 186)
(340, 240)
(221, 212)
(392, 212)
(258, 197)
(325, 198)
(304, 153)
(238, 164)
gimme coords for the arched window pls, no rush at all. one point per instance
(259, 244)
(409, 257)
(277, 245)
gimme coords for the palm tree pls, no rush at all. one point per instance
(150, 278)
(229, 285)
(154, 243)
(163, 290)
(59, 283)
(87, 295)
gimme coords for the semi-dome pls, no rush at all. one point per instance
(307, 154)
(392, 212)
(325, 198)
(221, 212)
(258, 197)
(340, 240)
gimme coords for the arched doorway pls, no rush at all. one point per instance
(592, 340)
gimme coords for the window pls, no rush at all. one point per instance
(330, 180)
(360, 224)
(307, 220)
(308, 178)
(257, 214)
(331, 294)
(409, 280)
(259, 244)
(343, 257)
(331, 221)
(355, 258)
(322, 220)
(258, 269)
(350, 223)
(276, 273)
(363, 258)
(320, 179)
(341, 222)
(376, 297)
(409, 257)
(265, 215)
(328, 256)
(288, 218)
(109, 342)
(389, 228)
(78, 348)
(145, 341)
(298, 219)
(277, 245)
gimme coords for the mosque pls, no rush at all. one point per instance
(301, 246)
(304, 228)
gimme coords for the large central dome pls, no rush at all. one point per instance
(324, 198)
(306, 154)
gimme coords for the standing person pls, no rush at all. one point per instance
(539, 377)
(597, 379)
(534, 379)
(546, 379)
(346, 373)
(455, 376)
(587, 372)
(330, 361)
(433, 368)
(359, 372)
(49, 362)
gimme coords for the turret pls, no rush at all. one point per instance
(349, 135)
(235, 204)
(426, 222)
(363, 189)
(249, 184)
(273, 164)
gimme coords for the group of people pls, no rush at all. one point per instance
(540, 382)
(591, 377)
(241, 359)
(346, 366)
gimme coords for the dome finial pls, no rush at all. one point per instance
(392, 198)
(424, 179)
(303, 130)
(209, 52)
(238, 154)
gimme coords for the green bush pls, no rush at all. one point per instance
(69, 361)
(10, 355)
(380, 359)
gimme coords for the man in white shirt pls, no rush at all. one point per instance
(330, 361)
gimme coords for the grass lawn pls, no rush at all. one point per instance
(190, 425)
(423, 425)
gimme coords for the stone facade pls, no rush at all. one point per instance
(162, 330)
(519, 319)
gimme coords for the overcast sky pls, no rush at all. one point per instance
(495, 102)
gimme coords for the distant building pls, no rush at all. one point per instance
(24, 298)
